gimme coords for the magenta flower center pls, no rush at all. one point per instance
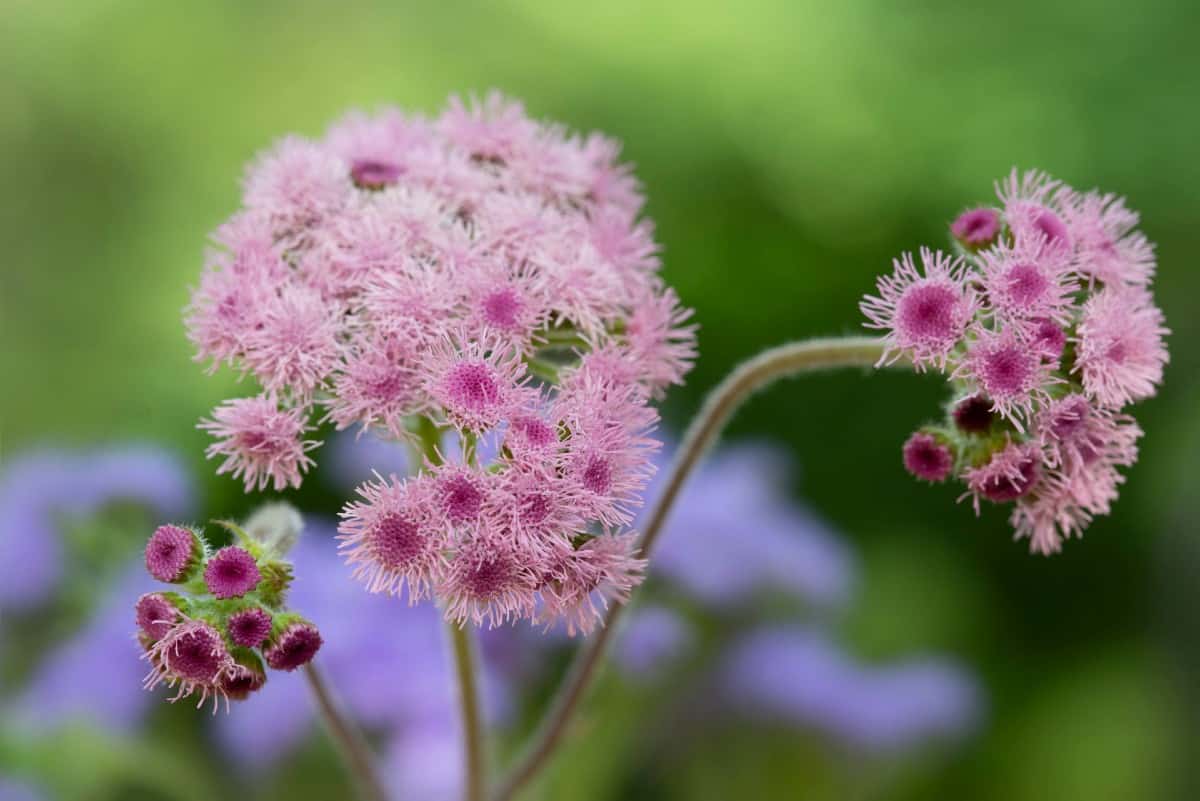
(472, 385)
(461, 499)
(489, 578)
(597, 475)
(927, 313)
(231, 573)
(1025, 284)
(395, 541)
(388, 386)
(537, 433)
(1069, 419)
(534, 507)
(250, 627)
(372, 174)
(1049, 338)
(197, 655)
(500, 308)
(1007, 370)
(1049, 224)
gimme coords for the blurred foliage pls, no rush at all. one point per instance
(790, 149)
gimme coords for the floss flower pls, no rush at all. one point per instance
(228, 615)
(479, 273)
(1047, 330)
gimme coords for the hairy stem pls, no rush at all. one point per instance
(351, 745)
(474, 763)
(745, 379)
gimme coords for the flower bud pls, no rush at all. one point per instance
(173, 554)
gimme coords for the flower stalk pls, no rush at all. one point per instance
(747, 378)
(349, 741)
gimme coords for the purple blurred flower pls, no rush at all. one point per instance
(96, 675)
(650, 638)
(387, 660)
(355, 458)
(15, 790)
(736, 531)
(40, 486)
(801, 677)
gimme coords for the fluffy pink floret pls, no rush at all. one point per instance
(1120, 346)
(476, 383)
(295, 345)
(297, 185)
(1008, 370)
(1011, 473)
(925, 312)
(1109, 249)
(393, 538)
(193, 656)
(582, 582)
(1034, 209)
(1027, 283)
(260, 442)
(490, 579)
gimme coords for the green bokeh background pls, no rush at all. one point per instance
(789, 150)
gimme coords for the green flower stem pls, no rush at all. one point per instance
(745, 379)
(351, 745)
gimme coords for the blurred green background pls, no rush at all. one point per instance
(789, 150)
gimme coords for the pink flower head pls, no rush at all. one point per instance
(583, 581)
(540, 507)
(661, 341)
(1048, 518)
(297, 185)
(461, 493)
(926, 313)
(1010, 474)
(295, 345)
(1109, 249)
(1026, 283)
(172, 553)
(156, 614)
(927, 459)
(495, 130)
(379, 149)
(976, 228)
(1047, 338)
(475, 383)
(392, 537)
(191, 655)
(489, 579)
(1076, 432)
(379, 386)
(1033, 208)
(294, 647)
(1121, 354)
(261, 442)
(231, 573)
(249, 627)
(1008, 371)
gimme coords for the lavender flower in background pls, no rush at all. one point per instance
(96, 675)
(652, 637)
(735, 531)
(40, 487)
(15, 790)
(801, 677)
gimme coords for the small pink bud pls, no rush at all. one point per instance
(294, 647)
(976, 228)
(231, 573)
(926, 458)
(156, 614)
(172, 553)
(250, 627)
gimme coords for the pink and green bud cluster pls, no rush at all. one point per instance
(211, 634)
(479, 272)
(1046, 328)
(404, 267)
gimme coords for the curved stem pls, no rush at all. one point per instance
(745, 379)
(474, 762)
(351, 746)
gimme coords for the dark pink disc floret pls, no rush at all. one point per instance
(250, 627)
(295, 647)
(976, 227)
(231, 573)
(155, 615)
(172, 550)
(926, 458)
(974, 414)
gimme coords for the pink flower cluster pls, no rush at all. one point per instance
(1046, 327)
(480, 273)
(207, 637)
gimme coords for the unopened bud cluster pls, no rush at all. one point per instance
(225, 616)
(1046, 328)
